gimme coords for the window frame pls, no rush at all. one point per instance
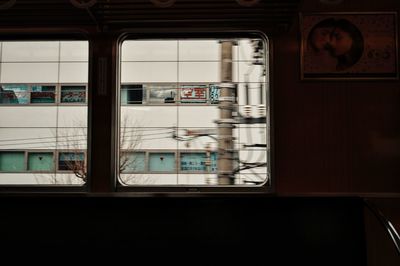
(268, 187)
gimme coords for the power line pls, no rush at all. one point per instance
(72, 136)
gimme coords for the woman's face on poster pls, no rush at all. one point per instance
(340, 42)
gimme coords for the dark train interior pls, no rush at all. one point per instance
(334, 193)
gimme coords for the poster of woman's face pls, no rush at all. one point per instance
(349, 45)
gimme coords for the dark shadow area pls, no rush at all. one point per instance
(252, 230)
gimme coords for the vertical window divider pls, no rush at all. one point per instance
(177, 107)
(1, 61)
(26, 161)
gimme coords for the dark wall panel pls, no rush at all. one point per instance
(334, 136)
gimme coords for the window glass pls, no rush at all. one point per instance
(194, 162)
(161, 93)
(40, 161)
(214, 93)
(132, 162)
(162, 162)
(73, 94)
(12, 161)
(214, 160)
(132, 94)
(43, 111)
(201, 122)
(43, 94)
(14, 94)
(71, 161)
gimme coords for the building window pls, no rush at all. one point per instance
(214, 94)
(186, 109)
(71, 161)
(12, 161)
(132, 94)
(73, 94)
(40, 161)
(133, 162)
(43, 94)
(194, 162)
(159, 93)
(162, 162)
(14, 94)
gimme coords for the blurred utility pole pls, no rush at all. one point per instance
(226, 122)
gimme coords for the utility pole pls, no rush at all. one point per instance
(226, 122)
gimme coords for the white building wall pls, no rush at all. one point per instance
(43, 127)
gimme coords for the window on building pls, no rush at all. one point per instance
(43, 111)
(214, 93)
(14, 94)
(161, 162)
(73, 94)
(71, 161)
(182, 99)
(132, 94)
(41, 161)
(195, 162)
(43, 94)
(12, 161)
(133, 162)
(162, 93)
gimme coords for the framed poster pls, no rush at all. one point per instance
(349, 45)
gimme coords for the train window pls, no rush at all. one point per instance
(43, 110)
(204, 102)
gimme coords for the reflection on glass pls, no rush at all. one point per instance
(132, 162)
(14, 94)
(73, 94)
(71, 161)
(161, 93)
(43, 94)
